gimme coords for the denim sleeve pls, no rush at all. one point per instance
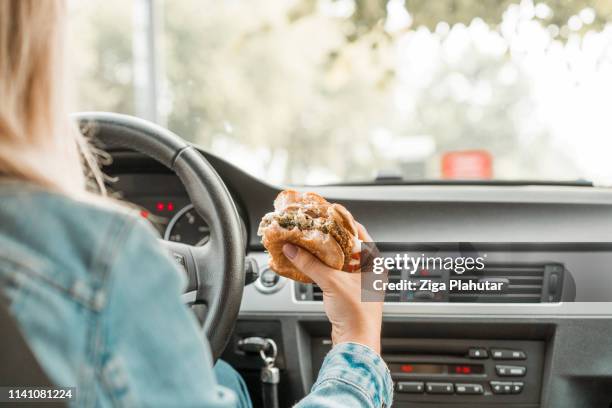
(156, 355)
(352, 375)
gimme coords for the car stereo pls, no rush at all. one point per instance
(459, 371)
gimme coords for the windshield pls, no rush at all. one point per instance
(324, 91)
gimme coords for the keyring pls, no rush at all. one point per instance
(269, 360)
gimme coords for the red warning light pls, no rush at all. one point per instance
(170, 206)
(160, 206)
(406, 368)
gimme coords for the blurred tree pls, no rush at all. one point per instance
(101, 55)
(302, 90)
(429, 13)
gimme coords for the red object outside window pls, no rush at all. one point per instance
(467, 165)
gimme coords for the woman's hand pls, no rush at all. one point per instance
(352, 320)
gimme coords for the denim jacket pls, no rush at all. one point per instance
(98, 301)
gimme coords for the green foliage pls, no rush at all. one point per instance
(296, 94)
(101, 55)
(428, 13)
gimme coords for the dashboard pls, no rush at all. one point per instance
(558, 323)
(173, 216)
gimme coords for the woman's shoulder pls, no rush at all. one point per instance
(23, 197)
(51, 215)
(70, 240)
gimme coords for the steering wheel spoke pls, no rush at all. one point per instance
(199, 263)
(183, 256)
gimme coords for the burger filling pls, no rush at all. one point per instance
(311, 219)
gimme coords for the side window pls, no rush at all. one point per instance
(101, 52)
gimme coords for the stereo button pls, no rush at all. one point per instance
(412, 387)
(517, 387)
(475, 352)
(439, 388)
(499, 354)
(510, 371)
(469, 389)
(501, 387)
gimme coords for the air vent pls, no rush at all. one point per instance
(522, 283)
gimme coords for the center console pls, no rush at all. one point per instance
(449, 361)
(458, 371)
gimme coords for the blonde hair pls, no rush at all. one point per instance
(38, 140)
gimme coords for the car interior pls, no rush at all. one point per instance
(545, 340)
(542, 343)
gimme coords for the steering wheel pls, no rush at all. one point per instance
(216, 269)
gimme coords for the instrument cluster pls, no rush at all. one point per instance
(175, 218)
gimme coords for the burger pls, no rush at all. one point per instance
(307, 220)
